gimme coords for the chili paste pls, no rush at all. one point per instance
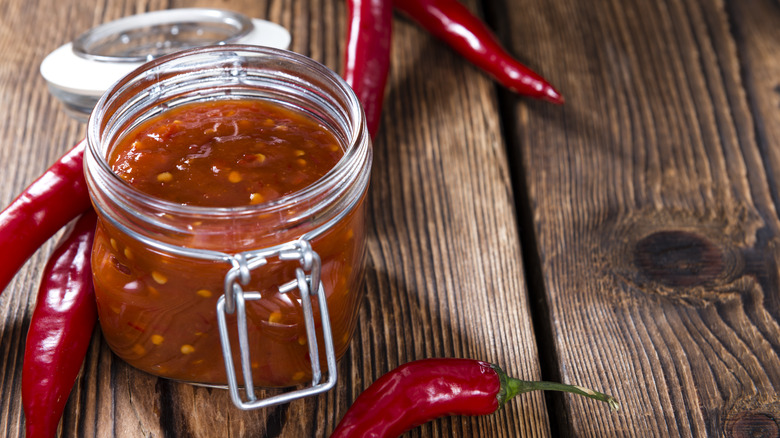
(157, 310)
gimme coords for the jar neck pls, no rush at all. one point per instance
(236, 72)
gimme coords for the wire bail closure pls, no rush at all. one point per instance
(307, 281)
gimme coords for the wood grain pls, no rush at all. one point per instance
(444, 277)
(653, 199)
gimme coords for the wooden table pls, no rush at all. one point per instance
(627, 241)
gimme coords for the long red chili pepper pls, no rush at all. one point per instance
(48, 204)
(420, 391)
(60, 330)
(367, 55)
(452, 22)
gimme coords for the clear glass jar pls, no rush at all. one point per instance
(166, 273)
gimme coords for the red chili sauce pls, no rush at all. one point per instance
(158, 311)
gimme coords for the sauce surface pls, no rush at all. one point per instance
(226, 153)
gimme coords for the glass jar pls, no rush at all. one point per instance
(265, 286)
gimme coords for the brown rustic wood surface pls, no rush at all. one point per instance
(651, 221)
(627, 241)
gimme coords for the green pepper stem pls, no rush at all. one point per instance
(511, 387)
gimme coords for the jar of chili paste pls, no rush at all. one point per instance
(229, 183)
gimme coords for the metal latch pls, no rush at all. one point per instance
(307, 281)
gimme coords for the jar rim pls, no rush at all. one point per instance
(347, 168)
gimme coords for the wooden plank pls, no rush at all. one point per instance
(444, 275)
(653, 199)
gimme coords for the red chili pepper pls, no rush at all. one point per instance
(47, 205)
(367, 55)
(60, 330)
(452, 22)
(423, 390)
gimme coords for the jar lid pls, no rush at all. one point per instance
(78, 73)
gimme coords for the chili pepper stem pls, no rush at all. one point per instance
(511, 387)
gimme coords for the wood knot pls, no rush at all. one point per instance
(753, 425)
(679, 258)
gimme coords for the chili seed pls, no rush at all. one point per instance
(299, 375)
(334, 147)
(128, 253)
(299, 153)
(260, 157)
(349, 234)
(275, 317)
(256, 198)
(301, 340)
(157, 339)
(187, 349)
(205, 293)
(234, 177)
(114, 244)
(301, 162)
(165, 177)
(139, 349)
(194, 225)
(159, 278)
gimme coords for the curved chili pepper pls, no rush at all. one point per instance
(420, 391)
(42, 209)
(452, 22)
(367, 55)
(60, 330)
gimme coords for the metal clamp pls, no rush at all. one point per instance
(307, 279)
